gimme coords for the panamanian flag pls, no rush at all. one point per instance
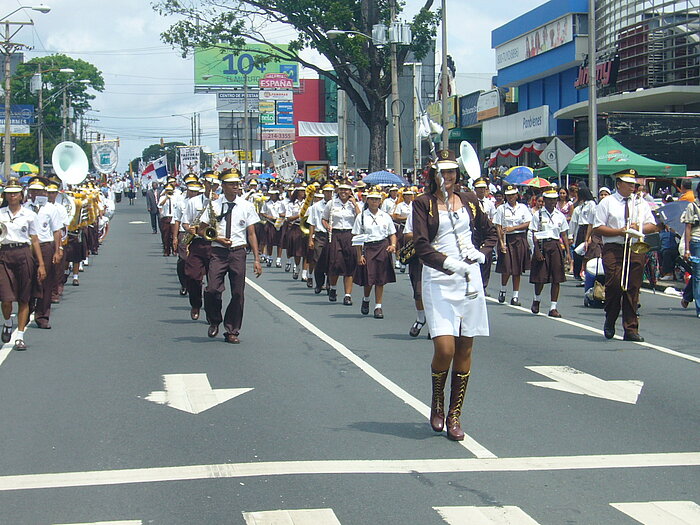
(158, 167)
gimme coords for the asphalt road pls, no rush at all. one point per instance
(321, 413)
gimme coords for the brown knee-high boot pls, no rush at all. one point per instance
(437, 404)
(457, 393)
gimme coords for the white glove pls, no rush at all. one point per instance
(456, 266)
(475, 255)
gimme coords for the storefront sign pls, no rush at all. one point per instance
(277, 132)
(277, 95)
(468, 109)
(520, 127)
(489, 105)
(605, 74)
(541, 40)
(276, 81)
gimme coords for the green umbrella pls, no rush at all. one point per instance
(24, 167)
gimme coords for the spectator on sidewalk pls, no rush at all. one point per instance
(691, 219)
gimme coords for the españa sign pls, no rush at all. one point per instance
(234, 67)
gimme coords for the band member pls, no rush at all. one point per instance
(415, 274)
(48, 226)
(455, 305)
(59, 269)
(481, 188)
(294, 240)
(399, 215)
(310, 256)
(272, 211)
(235, 217)
(549, 229)
(374, 266)
(179, 232)
(512, 219)
(165, 210)
(390, 202)
(318, 238)
(199, 251)
(17, 266)
(338, 219)
(621, 219)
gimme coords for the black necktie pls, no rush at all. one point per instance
(627, 209)
(227, 214)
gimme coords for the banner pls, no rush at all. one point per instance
(105, 156)
(318, 129)
(223, 161)
(189, 160)
(285, 163)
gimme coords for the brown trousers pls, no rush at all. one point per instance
(615, 297)
(196, 267)
(166, 235)
(232, 262)
(42, 308)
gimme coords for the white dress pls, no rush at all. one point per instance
(447, 309)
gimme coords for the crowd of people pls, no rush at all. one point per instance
(47, 238)
(445, 234)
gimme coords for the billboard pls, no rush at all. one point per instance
(226, 68)
(541, 40)
(235, 101)
(467, 109)
(21, 117)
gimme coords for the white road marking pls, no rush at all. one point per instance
(138, 222)
(292, 517)
(132, 522)
(401, 466)
(567, 379)
(7, 347)
(469, 443)
(662, 512)
(598, 331)
(507, 515)
(192, 393)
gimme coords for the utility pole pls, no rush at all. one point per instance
(444, 86)
(395, 113)
(245, 125)
(592, 103)
(64, 110)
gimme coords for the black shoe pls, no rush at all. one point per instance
(633, 336)
(609, 330)
(6, 333)
(19, 345)
(415, 329)
(318, 289)
(287, 267)
(364, 308)
(347, 301)
(310, 283)
(213, 330)
(501, 297)
(278, 265)
(295, 275)
(378, 313)
(269, 263)
(332, 295)
(515, 302)
(183, 291)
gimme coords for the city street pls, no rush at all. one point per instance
(126, 412)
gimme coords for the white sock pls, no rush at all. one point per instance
(348, 295)
(20, 335)
(75, 276)
(365, 299)
(554, 306)
(331, 287)
(537, 298)
(378, 305)
(279, 259)
(420, 316)
(304, 274)
(8, 322)
(515, 295)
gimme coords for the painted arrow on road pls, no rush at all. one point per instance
(192, 393)
(569, 379)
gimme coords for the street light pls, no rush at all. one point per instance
(8, 47)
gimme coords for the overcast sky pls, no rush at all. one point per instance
(146, 81)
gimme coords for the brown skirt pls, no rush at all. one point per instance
(516, 261)
(274, 236)
(261, 233)
(295, 241)
(551, 269)
(320, 256)
(75, 250)
(342, 257)
(378, 269)
(16, 274)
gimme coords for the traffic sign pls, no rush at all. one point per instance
(557, 155)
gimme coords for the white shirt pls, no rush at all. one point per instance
(587, 213)
(20, 226)
(611, 212)
(179, 210)
(375, 227)
(508, 216)
(343, 214)
(272, 208)
(291, 209)
(316, 215)
(388, 205)
(48, 220)
(193, 208)
(242, 215)
(488, 207)
(408, 228)
(166, 206)
(403, 209)
(548, 226)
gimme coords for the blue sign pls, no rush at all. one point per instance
(19, 114)
(285, 118)
(292, 71)
(467, 109)
(285, 107)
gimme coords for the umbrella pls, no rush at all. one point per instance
(518, 174)
(267, 176)
(254, 172)
(384, 177)
(537, 182)
(671, 215)
(24, 179)
(24, 167)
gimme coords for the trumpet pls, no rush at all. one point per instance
(639, 247)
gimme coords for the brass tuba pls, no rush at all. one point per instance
(310, 192)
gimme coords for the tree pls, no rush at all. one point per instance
(53, 83)
(360, 68)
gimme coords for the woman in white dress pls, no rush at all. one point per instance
(451, 245)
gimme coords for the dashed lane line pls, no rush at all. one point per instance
(469, 443)
(340, 467)
(598, 331)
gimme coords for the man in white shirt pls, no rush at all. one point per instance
(621, 220)
(166, 207)
(318, 237)
(481, 188)
(236, 219)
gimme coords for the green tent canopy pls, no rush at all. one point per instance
(614, 157)
(545, 173)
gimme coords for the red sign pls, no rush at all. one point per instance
(278, 134)
(276, 81)
(606, 74)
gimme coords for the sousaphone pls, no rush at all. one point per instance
(70, 163)
(469, 161)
